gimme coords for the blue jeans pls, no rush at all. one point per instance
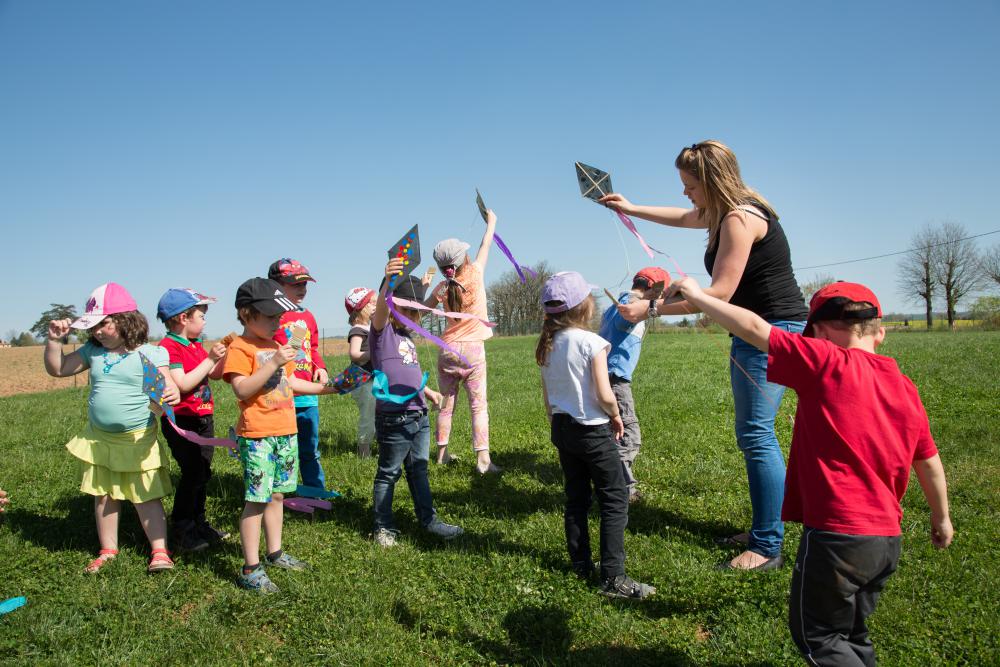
(307, 420)
(404, 440)
(756, 405)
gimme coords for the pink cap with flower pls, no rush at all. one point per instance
(358, 298)
(108, 299)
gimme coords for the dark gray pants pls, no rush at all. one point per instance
(628, 446)
(835, 585)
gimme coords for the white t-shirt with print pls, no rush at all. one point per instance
(569, 381)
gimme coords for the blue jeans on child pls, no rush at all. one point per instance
(307, 420)
(756, 401)
(403, 442)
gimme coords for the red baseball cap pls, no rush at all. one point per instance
(358, 298)
(287, 271)
(828, 304)
(650, 275)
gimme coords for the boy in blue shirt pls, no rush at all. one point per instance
(626, 344)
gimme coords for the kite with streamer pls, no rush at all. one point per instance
(595, 184)
(350, 379)
(501, 245)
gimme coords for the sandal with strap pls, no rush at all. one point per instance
(103, 556)
(159, 560)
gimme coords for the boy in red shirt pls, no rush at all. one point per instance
(309, 366)
(182, 311)
(859, 428)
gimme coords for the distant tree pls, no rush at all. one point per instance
(986, 309)
(990, 264)
(515, 306)
(11, 336)
(819, 281)
(58, 311)
(957, 267)
(24, 340)
(917, 279)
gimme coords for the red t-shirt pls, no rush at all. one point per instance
(309, 357)
(186, 355)
(859, 427)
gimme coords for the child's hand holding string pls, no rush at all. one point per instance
(394, 266)
(433, 397)
(58, 330)
(217, 352)
(283, 355)
(617, 202)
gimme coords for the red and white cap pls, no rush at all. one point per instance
(108, 299)
(358, 298)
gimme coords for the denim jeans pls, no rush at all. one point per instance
(307, 420)
(588, 456)
(756, 401)
(404, 440)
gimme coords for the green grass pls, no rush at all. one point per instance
(502, 593)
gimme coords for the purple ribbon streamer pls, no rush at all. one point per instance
(405, 321)
(517, 267)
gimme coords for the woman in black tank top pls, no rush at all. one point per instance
(750, 263)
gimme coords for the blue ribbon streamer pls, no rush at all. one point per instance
(380, 388)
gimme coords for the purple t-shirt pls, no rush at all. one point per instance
(393, 353)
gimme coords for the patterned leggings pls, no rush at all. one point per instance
(451, 374)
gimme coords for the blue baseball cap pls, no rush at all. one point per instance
(179, 299)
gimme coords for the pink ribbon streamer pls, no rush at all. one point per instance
(200, 440)
(405, 321)
(406, 303)
(629, 225)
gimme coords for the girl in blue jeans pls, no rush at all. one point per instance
(751, 266)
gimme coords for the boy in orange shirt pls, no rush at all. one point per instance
(262, 374)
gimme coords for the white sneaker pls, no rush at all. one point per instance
(385, 537)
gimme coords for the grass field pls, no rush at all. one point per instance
(502, 593)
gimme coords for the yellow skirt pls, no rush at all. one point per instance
(131, 466)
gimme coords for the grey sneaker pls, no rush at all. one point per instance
(385, 537)
(287, 562)
(256, 581)
(624, 587)
(444, 530)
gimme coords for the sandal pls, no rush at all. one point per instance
(159, 560)
(103, 556)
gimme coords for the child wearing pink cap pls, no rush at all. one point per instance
(360, 304)
(120, 455)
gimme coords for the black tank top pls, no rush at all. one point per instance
(768, 285)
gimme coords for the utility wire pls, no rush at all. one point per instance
(891, 254)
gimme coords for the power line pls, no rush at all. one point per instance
(891, 254)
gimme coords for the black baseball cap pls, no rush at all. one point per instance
(265, 295)
(408, 287)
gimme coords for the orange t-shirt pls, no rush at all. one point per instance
(271, 411)
(473, 302)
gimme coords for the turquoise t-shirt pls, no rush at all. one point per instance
(117, 402)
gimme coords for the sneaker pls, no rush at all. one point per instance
(385, 537)
(211, 533)
(624, 587)
(187, 537)
(287, 562)
(256, 581)
(444, 530)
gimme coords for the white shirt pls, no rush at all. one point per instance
(568, 379)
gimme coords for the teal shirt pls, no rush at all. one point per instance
(117, 402)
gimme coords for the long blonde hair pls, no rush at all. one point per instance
(576, 317)
(714, 165)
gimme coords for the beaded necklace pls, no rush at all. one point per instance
(108, 365)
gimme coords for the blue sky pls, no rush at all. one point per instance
(190, 144)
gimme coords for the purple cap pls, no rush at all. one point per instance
(567, 287)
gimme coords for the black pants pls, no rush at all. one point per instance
(588, 455)
(195, 462)
(835, 586)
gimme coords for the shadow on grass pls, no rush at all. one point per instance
(534, 464)
(77, 528)
(489, 496)
(540, 635)
(646, 519)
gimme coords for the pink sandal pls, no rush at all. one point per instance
(103, 556)
(159, 560)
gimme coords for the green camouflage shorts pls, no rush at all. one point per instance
(270, 465)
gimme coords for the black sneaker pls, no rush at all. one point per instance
(187, 537)
(211, 533)
(624, 587)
